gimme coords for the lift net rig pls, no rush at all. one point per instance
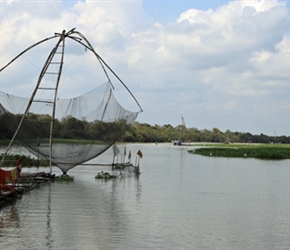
(65, 132)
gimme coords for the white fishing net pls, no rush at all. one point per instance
(81, 128)
(85, 126)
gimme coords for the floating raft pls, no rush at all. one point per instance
(126, 165)
(25, 183)
(105, 176)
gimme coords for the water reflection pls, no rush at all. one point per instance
(179, 201)
(9, 219)
(77, 212)
(48, 236)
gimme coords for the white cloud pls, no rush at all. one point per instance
(229, 63)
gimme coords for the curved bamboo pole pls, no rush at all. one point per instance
(102, 62)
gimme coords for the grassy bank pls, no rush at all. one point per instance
(259, 151)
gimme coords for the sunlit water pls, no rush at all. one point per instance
(180, 201)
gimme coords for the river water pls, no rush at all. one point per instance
(180, 201)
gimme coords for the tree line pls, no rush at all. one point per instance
(37, 126)
(142, 132)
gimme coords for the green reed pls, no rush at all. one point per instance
(266, 152)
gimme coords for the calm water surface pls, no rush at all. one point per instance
(180, 201)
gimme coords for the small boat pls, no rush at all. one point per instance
(177, 142)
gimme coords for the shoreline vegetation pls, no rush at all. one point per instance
(81, 131)
(11, 159)
(257, 151)
(235, 150)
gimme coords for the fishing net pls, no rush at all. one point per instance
(69, 131)
(85, 126)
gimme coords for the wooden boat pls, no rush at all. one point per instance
(12, 189)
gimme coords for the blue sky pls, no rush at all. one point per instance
(165, 11)
(220, 64)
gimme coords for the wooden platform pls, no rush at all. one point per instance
(25, 183)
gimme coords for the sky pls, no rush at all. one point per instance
(219, 64)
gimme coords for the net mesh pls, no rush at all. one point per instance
(84, 126)
(65, 132)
